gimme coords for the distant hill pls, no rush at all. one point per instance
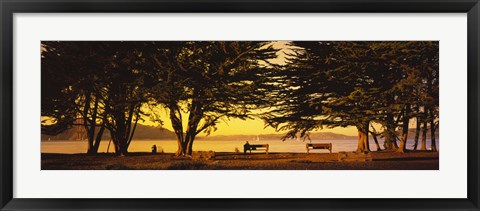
(313, 136)
(142, 132)
(411, 133)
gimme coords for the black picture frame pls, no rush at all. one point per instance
(10, 7)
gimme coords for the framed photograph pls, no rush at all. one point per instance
(239, 105)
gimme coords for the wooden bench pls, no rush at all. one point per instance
(251, 147)
(319, 146)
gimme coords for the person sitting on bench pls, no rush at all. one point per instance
(246, 147)
(154, 149)
(250, 147)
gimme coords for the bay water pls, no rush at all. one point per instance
(170, 146)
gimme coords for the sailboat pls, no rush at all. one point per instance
(256, 139)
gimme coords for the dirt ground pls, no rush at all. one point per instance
(239, 161)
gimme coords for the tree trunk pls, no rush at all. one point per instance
(120, 146)
(181, 149)
(98, 139)
(189, 144)
(122, 130)
(390, 138)
(120, 134)
(432, 131)
(115, 142)
(417, 133)
(87, 124)
(389, 134)
(363, 145)
(176, 119)
(95, 144)
(196, 114)
(91, 126)
(403, 141)
(132, 132)
(185, 141)
(120, 142)
(374, 135)
(423, 145)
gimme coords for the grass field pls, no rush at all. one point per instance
(238, 161)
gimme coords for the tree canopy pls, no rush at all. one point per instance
(338, 84)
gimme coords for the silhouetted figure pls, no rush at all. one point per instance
(246, 147)
(154, 149)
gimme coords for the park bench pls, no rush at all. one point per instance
(255, 147)
(319, 146)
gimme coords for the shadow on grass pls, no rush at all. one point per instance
(187, 165)
(117, 167)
